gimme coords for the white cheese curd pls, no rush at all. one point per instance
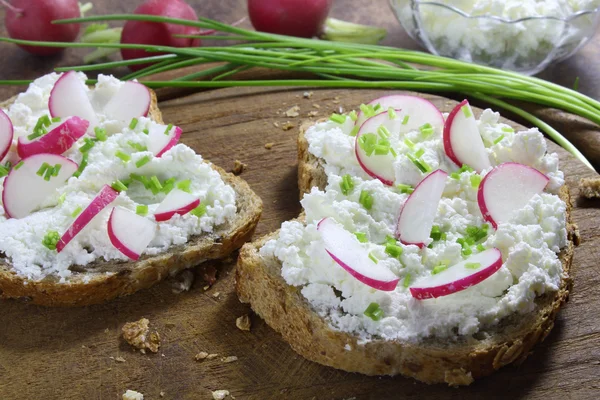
(528, 242)
(21, 239)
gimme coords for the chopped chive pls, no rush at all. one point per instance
(368, 110)
(56, 169)
(374, 312)
(353, 115)
(480, 247)
(499, 139)
(141, 209)
(33, 136)
(377, 107)
(184, 185)
(439, 268)
(472, 265)
(146, 131)
(465, 168)
(362, 237)
(118, 186)
(142, 161)
(507, 129)
(436, 233)
(406, 282)
(419, 153)
(365, 199)
(576, 84)
(409, 143)
(19, 165)
(62, 198)
(3, 171)
(393, 152)
(51, 239)
(123, 156)
(390, 239)
(373, 258)
(425, 127)
(82, 165)
(420, 164)
(76, 211)
(475, 180)
(393, 250)
(100, 134)
(425, 133)
(337, 118)
(199, 211)
(405, 120)
(405, 188)
(55, 119)
(367, 142)
(455, 175)
(381, 150)
(169, 127)
(155, 184)
(391, 113)
(355, 130)
(346, 185)
(168, 185)
(137, 146)
(133, 123)
(89, 143)
(43, 169)
(383, 132)
(467, 111)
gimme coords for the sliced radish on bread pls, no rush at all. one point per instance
(506, 189)
(102, 200)
(58, 140)
(131, 101)
(460, 276)
(176, 202)
(69, 98)
(6, 134)
(129, 232)
(348, 253)
(370, 149)
(462, 141)
(419, 210)
(161, 138)
(34, 179)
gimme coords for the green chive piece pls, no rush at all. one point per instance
(439, 268)
(368, 110)
(3, 171)
(199, 211)
(367, 142)
(51, 239)
(420, 164)
(100, 134)
(436, 233)
(146, 131)
(142, 161)
(472, 265)
(76, 211)
(82, 165)
(377, 107)
(576, 84)
(475, 180)
(49, 173)
(337, 118)
(467, 111)
(43, 169)
(184, 185)
(393, 152)
(168, 130)
(381, 150)
(405, 188)
(406, 282)
(362, 237)
(353, 115)
(355, 130)
(393, 250)
(373, 258)
(419, 153)
(466, 248)
(374, 312)
(425, 127)
(405, 120)
(480, 247)
(455, 175)
(141, 209)
(391, 113)
(118, 186)
(133, 123)
(390, 240)
(346, 185)
(55, 119)
(168, 185)
(89, 143)
(56, 169)
(499, 139)
(155, 184)
(383, 132)
(409, 143)
(507, 129)
(465, 168)
(137, 146)
(62, 198)
(123, 156)
(365, 199)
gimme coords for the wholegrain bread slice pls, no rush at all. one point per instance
(259, 282)
(102, 280)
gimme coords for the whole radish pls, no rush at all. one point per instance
(32, 20)
(158, 33)
(302, 18)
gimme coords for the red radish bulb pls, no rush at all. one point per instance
(158, 33)
(302, 18)
(6, 134)
(32, 20)
(57, 141)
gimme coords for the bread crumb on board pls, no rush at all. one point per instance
(132, 395)
(307, 95)
(139, 336)
(238, 167)
(287, 126)
(229, 359)
(220, 394)
(183, 281)
(205, 356)
(118, 359)
(293, 112)
(269, 145)
(243, 323)
(589, 187)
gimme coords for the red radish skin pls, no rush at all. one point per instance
(301, 18)
(24, 191)
(157, 33)
(159, 143)
(125, 225)
(478, 275)
(6, 134)
(388, 284)
(32, 20)
(176, 202)
(57, 141)
(512, 192)
(419, 110)
(172, 142)
(131, 101)
(106, 196)
(446, 137)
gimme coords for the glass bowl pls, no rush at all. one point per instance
(526, 45)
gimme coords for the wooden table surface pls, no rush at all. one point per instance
(33, 339)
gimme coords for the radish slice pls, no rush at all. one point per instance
(160, 140)
(106, 196)
(462, 141)
(508, 188)
(379, 166)
(130, 233)
(69, 98)
(24, 190)
(57, 141)
(418, 110)
(176, 202)
(418, 212)
(6, 134)
(460, 276)
(131, 101)
(346, 250)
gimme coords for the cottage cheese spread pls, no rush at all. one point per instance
(21, 239)
(529, 242)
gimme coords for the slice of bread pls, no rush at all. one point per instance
(102, 280)
(259, 282)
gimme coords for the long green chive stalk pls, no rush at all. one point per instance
(338, 65)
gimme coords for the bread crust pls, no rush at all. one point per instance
(259, 282)
(102, 281)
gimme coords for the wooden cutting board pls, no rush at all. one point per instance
(50, 353)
